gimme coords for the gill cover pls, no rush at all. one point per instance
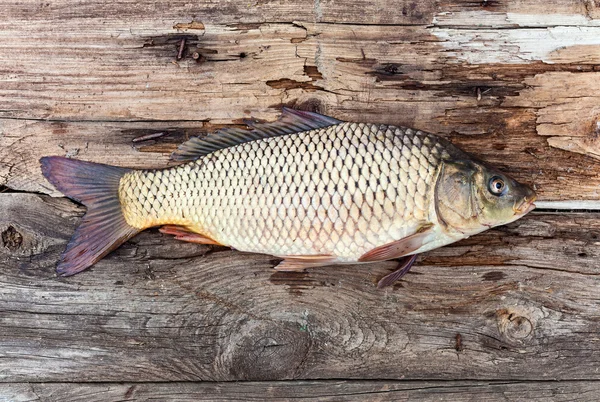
(454, 199)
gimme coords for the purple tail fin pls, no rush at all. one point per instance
(103, 227)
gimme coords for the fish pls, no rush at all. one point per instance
(308, 189)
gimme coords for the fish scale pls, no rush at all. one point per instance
(341, 190)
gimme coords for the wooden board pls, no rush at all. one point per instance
(557, 175)
(458, 391)
(475, 73)
(506, 304)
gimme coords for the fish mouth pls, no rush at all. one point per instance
(526, 206)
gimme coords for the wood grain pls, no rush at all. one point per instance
(459, 391)
(506, 304)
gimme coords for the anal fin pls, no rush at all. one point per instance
(298, 263)
(184, 234)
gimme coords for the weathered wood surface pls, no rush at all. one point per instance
(517, 302)
(459, 391)
(514, 82)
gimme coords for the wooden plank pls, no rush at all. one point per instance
(530, 110)
(133, 73)
(509, 303)
(557, 174)
(229, 11)
(367, 12)
(569, 205)
(309, 390)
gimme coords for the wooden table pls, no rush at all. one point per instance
(513, 313)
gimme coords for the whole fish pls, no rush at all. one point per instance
(309, 189)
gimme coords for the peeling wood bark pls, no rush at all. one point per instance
(521, 297)
(570, 115)
(319, 390)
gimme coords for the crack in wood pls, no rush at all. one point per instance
(353, 390)
(288, 84)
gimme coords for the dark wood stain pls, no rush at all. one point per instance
(494, 276)
(313, 72)
(287, 84)
(458, 343)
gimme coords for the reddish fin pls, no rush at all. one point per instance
(183, 234)
(405, 265)
(174, 230)
(291, 121)
(295, 263)
(103, 227)
(398, 248)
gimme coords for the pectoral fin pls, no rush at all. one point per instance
(298, 263)
(405, 264)
(398, 248)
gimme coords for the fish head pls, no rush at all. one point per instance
(472, 196)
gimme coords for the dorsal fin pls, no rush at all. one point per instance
(291, 121)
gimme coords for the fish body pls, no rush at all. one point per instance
(314, 191)
(341, 190)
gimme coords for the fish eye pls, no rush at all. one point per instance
(497, 186)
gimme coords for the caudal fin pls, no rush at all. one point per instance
(103, 228)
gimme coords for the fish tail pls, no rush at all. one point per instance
(103, 228)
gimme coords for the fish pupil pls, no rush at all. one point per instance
(497, 186)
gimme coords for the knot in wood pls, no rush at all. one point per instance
(11, 238)
(270, 350)
(514, 326)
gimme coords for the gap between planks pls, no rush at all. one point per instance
(568, 205)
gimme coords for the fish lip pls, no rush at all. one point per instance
(526, 206)
(530, 208)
